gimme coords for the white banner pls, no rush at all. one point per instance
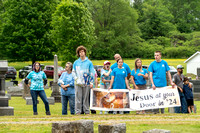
(125, 100)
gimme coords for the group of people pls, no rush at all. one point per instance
(81, 76)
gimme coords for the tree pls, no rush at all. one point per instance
(186, 14)
(72, 26)
(115, 26)
(155, 20)
(27, 23)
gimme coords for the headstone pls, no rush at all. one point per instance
(157, 131)
(26, 92)
(8, 84)
(196, 89)
(15, 91)
(113, 128)
(4, 108)
(80, 126)
(29, 101)
(55, 88)
(171, 110)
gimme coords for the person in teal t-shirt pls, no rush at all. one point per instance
(139, 75)
(37, 87)
(119, 77)
(158, 70)
(119, 80)
(105, 76)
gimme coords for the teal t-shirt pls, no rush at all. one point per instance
(36, 80)
(119, 78)
(105, 77)
(115, 65)
(139, 80)
(159, 70)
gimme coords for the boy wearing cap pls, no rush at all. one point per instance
(178, 80)
(105, 75)
(105, 78)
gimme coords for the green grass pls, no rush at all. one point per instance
(23, 120)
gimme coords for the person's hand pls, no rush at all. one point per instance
(136, 87)
(109, 88)
(139, 74)
(172, 84)
(91, 86)
(181, 89)
(154, 87)
(129, 88)
(190, 85)
(28, 85)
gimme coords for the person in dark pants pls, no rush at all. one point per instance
(187, 89)
(37, 87)
(66, 81)
(178, 80)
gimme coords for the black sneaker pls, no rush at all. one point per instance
(35, 113)
(48, 113)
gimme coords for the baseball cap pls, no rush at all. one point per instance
(180, 67)
(106, 62)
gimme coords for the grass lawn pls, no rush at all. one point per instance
(23, 120)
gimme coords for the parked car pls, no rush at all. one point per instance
(172, 70)
(11, 73)
(49, 70)
(25, 71)
(98, 69)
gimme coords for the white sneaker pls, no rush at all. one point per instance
(106, 112)
(121, 112)
(114, 112)
(101, 113)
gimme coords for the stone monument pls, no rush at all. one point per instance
(4, 108)
(55, 88)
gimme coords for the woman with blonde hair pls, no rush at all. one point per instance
(139, 76)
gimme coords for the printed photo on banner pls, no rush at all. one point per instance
(125, 100)
(116, 100)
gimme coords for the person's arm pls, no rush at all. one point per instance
(144, 76)
(27, 79)
(127, 85)
(111, 82)
(132, 79)
(74, 73)
(92, 74)
(151, 79)
(108, 73)
(129, 75)
(170, 79)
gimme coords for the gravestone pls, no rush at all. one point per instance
(8, 84)
(80, 126)
(55, 88)
(26, 92)
(113, 128)
(196, 89)
(4, 108)
(15, 91)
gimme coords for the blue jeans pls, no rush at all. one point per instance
(34, 95)
(64, 100)
(183, 108)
